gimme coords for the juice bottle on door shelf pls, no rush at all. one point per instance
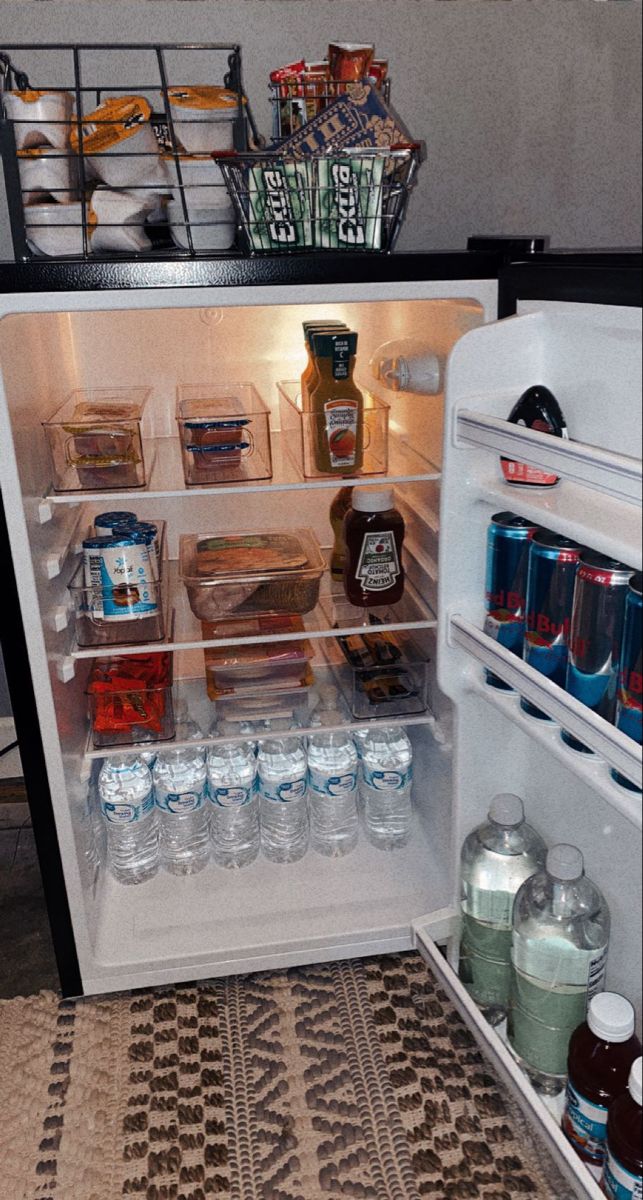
(338, 510)
(496, 859)
(373, 535)
(337, 405)
(601, 1054)
(309, 371)
(561, 926)
(623, 1175)
(536, 409)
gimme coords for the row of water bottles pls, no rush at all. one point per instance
(185, 805)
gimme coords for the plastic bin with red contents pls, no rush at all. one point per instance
(130, 699)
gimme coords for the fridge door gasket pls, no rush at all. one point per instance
(441, 927)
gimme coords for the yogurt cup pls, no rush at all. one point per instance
(40, 118)
(212, 228)
(203, 117)
(119, 218)
(56, 229)
(47, 172)
(119, 144)
(202, 179)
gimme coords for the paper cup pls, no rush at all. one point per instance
(40, 118)
(48, 173)
(211, 228)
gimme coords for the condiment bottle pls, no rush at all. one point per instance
(338, 509)
(337, 405)
(623, 1174)
(601, 1053)
(309, 372)
(373, 535)
(536, 409)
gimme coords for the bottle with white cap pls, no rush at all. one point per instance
(561, 927)
(601, 1054)
(496, 859)
(623, 1174)
(373, 536)
(408, 365)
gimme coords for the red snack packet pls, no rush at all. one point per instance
(349, 61)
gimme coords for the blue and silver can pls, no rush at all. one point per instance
(598, 614)
(553, 563)
(508, 541)
(118, 578)
(106, 523)
(629, 701)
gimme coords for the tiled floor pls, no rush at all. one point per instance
(27, 961)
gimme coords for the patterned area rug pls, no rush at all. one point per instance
(353, 1080)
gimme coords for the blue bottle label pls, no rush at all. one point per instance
(180, 802)
(126, 813)
(283, 793)
(231, 797)
(332, 785)
(619, 1184)
(585, 1124)
(387, 781)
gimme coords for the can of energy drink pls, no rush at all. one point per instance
(629, 701)
(106, 523)
(508, 541)
(118, 578)
(596, 634)
(553, 562)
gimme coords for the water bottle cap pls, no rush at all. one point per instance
(565, 862)
(372, 499)
(611, 1017)
(635, 1084)
(507, 809)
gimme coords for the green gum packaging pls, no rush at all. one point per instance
(279, 208)
(349, 203)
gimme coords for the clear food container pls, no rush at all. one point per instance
(117, 617)
(248, 574)
(386, 675)
(290, 709)
(95, 441)
(129, 700)
(259, 667)
(225, 433)
(301, 432)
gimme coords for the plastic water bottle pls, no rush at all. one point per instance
(180, 789)
(283, 791)
(561, 926)
(496, 859)
(234, 808)
(332, 783)
(127, 805)
(385, 787)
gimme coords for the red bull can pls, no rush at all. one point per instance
(508, 541)
(551, 576)
(598, 615)
(629, 701)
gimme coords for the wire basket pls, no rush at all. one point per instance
(350, 200)
(104, 157)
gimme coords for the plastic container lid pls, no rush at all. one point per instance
(635, 1084)
(611, 1017)
(372, 500)
(565, 862)
(507, 809)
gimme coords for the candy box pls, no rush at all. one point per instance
(359, 117)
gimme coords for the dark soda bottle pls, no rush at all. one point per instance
(623, 1175)
(537, 409)
(601, 1053)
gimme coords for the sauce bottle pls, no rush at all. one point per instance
(309, 372)
(601, 1053)
(537, 409)
(338, 510)
(337, 405)
(623, 1174)
(373, 535)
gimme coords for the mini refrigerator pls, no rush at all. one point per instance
(500, 323)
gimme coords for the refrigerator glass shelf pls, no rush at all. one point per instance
(332, 617)
(165, 475)
(592, 518)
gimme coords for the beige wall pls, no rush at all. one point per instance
(530, 109)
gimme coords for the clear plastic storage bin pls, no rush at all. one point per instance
(95, 441)
(96, 626)
(225, 433)
(246, 574)
(301, 431)
(129, 699)
(260, 667)
(385, 675)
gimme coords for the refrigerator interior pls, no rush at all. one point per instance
(264, 916)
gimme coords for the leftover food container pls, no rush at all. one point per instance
(95, 441)
(251, 573)
(259, 667)
(300, 431)
(129, 699)
(224, 432)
